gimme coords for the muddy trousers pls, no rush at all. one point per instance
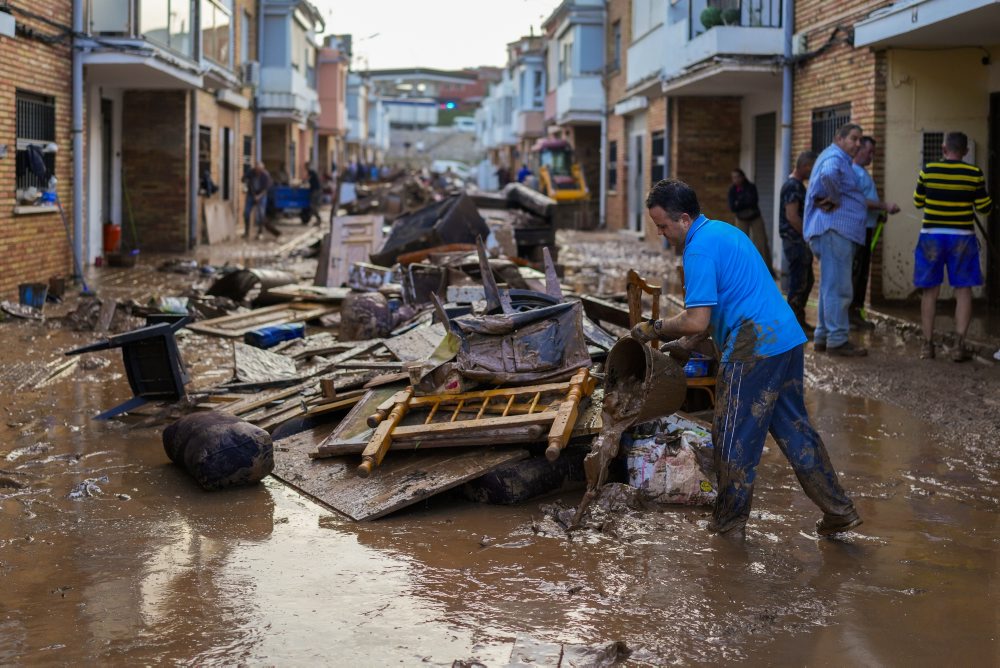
(752, 399)
(800, 275)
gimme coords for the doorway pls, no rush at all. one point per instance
(993, 220)
(764, 138)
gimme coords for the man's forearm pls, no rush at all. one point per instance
(681, 325)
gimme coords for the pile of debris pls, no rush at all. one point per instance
(442, 351)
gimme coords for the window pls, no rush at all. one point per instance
(658, 164)
(167, 22)
(217, 31)
(933, 147)
(613, 165)
(204, 157)
(36, 125)
(616, 46)
(646, 15)
(566, 62)
(247, 152)
(538, 90)
(825, 122)
(244, 36)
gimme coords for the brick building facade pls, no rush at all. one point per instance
(33, 242)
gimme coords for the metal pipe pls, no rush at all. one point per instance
(788, 21)
(77, 132)
(257, 150)
(193, 174)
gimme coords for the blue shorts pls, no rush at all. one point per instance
(960, 252)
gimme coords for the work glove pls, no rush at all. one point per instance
(644, 332)
(676, 351)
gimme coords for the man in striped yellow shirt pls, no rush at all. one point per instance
(949, 192)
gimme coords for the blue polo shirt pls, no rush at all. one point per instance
(722, 269)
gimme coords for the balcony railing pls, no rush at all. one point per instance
(168, 23)
(706, 14)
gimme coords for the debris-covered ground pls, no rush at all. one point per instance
(109, 553)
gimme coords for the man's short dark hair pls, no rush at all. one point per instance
(805, 158)
(868, 139)
(846, 129)
(956, 142)
(675, 197)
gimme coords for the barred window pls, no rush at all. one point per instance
(933, 147)
(825, 123)
(658, 164)
(36, 125)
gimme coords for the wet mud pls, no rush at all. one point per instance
(145, 567)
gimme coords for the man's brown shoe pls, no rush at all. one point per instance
(927, 350)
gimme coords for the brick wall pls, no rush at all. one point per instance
(841, 74)
(34, 247)
(155, 144)
(705, 145)
(616, 204)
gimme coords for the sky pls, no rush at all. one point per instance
(442, 34)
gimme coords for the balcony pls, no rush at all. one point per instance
(529, 123)
(286, 95)
(750, 29)
(580, 99)
(647, 56)
(147, 44)
(930, 24)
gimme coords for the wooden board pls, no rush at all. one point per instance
(220, 221)
(402, 480)
(239, 324)
(315, 293)
(416, 344)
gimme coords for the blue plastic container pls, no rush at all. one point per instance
(288, 197)
(266, 337)
(697, 366)
(33, 294)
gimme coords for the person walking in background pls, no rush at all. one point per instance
(876, 210)
(258, 182)
(950, 192)
(523, 173)
(797, 253)
(315, 196)
(835, 216)
(746, 209)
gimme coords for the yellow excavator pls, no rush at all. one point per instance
(559, 177)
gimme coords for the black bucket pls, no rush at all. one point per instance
(661, 378)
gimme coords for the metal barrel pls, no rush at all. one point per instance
(663, 382)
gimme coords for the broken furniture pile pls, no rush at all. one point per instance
(434, 354)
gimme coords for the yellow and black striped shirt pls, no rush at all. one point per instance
(948, 192)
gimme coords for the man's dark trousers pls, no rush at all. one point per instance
(859, 273)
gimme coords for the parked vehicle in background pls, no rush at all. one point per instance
(464, 123)
(459, 169)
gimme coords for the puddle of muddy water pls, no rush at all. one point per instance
(151, 569)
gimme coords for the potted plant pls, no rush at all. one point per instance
(711, 17)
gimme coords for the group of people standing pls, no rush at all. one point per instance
(837, 219)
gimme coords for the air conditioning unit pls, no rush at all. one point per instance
(250, 73)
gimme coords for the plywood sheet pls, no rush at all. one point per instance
(416, 344)
(403, 479)
(315, 293)
(220, 221)
(239, 324)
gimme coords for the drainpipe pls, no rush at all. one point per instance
(256, 102)
(788, 21)
(193, 174)
(77, 132)
(602, 220)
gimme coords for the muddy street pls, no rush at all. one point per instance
(109, 553)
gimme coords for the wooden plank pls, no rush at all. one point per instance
(314, 293)
(238, 324)
(402, 480)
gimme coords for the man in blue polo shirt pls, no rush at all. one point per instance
(728, 289)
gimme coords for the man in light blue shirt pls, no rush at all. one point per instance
(835, 216)
(876, 209)
(728, 289)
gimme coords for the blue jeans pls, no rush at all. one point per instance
(261, 208)
(752, 399)
(836, 287)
